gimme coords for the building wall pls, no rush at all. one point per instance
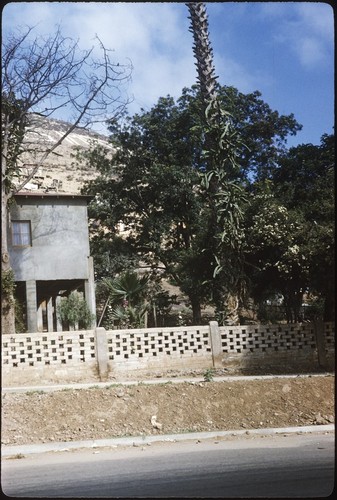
(60, 238)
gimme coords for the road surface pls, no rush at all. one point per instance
(272, 466)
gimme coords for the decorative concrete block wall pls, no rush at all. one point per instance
(287, 346)
(263, 338)
(329, 343)
(159, 349)
(36, 358)
(93, 355)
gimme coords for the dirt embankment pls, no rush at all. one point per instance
(164, 408)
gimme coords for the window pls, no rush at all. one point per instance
(21, 233)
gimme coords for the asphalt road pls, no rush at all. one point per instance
(274, 466)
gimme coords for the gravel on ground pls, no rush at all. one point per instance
(165, 408)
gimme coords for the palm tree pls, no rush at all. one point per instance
(221, 156)
(127, 287)
(127, 294)
(203, 51)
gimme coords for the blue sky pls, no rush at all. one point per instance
(285, 50)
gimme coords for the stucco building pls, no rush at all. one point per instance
(50, 256)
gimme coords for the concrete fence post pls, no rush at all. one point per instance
(215, 344)
(101, 344)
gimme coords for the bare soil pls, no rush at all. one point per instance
(165, 408)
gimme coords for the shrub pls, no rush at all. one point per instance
(209, 374)
(74, 311)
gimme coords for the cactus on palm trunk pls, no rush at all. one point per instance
(218, 180)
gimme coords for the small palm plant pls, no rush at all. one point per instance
(128, 316)
(127, 294)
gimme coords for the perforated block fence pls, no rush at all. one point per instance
(84, 356)
(162, 348)
(48, 357)
(290, 346)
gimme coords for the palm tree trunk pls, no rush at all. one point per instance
(208, 87)
(202, 51)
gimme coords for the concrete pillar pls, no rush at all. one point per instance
(58, 319)
(40, 317)
(216, 344)
(102, 358)
(31, 306)
(50, 321)
(89, 290)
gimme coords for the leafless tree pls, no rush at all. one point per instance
(40, 77)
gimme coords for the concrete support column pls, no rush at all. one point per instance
(89, 290)
(31, 306)
(40, 318)
(215, 344)
(102, 358)
(58, 319)
(50, 321)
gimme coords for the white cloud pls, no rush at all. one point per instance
(156, 39)
(310, 51)
(304, 28)
(154, 36)
(162, 77)
(314, 38)
(318, 17)
(15, 15)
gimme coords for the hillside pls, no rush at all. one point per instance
(59, 172)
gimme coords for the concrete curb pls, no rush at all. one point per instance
(28, 449)
(177, 380)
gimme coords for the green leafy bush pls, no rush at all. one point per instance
(74, 311)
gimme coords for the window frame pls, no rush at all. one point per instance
(16, 234)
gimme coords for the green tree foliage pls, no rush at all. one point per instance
(14, 121)
(274, 254)
(128, 287)
(12, 127)
(263, 132)
(304, 182)
(289, 243)
(152, 188)
(225, 200)
(156, 186)
(224, 194)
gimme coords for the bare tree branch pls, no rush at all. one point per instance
(40, 77)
